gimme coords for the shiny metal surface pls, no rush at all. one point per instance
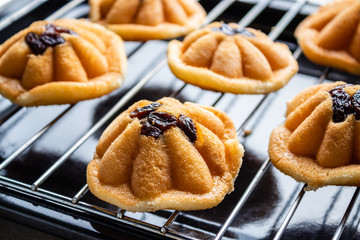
(44, 151)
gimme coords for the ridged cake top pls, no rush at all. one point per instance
(158, 150)
(54, 52)
(145, 12)
(233, 52)
(142, 20)
(331, 36)
(49, 55)
(324, 121)
(229, 58)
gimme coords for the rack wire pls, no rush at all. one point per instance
(120, 216)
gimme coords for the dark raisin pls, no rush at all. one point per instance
(154, 124)
(151, 131)
(51, 39)
(50, 28)
(226, 29)
(342, 104)
(162, 120)
(356, 104)
(34, 43)
(187, 125)
(144, 111)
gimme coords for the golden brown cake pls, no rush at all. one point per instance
(166, 155)
(331, 36)
(148, 19)
(65, 61)
(227, 58)
(319, 143)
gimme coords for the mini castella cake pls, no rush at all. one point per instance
(319, 143)
(331, 36)
(166, 155)
(65, 61)
(148, 19)
(227, 58)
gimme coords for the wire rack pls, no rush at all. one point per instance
(44, 151)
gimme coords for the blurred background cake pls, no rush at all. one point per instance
(331, 36)
(148, 19)
(226, 58)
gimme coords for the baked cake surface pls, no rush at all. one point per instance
(331, 36)
(166, 155)
(148, 19)
(319, 142)
(65, 61)
(227, 58)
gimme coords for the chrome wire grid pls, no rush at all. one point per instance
(175, 224)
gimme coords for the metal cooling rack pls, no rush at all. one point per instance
(36, 160)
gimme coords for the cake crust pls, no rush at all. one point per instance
(237, 64)
(331, 36)
(318, 144)
(72, 81)
(305, 169)
(168, 172)
(185, 16)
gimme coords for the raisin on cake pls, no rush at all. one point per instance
(65, 61)
(319, 142)
(166, 155)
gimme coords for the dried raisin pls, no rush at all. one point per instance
(151, 131)
(50, 28)
(143, 112)
(154, 124)
(50, 38)
(34, 43)
(187, 125)
(162, 120)
(356, 104)
(343, 104)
